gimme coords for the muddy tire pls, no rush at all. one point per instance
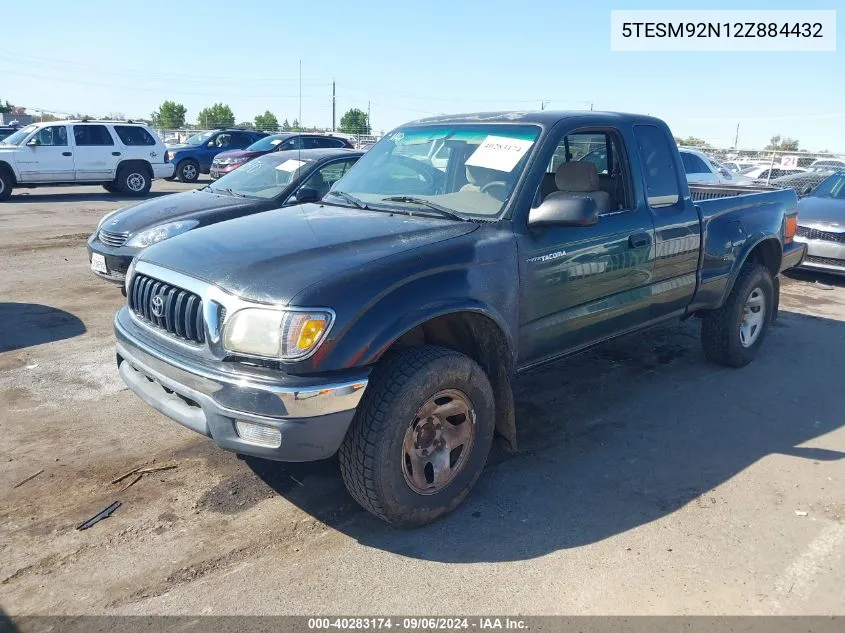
(6, 184)
(733, 334)
(188, 170)
(133, 180)
(420, 437)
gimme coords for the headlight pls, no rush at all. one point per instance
(281, 334)
(160, 232)
(129, 272)
(230, 161)
(107, 216)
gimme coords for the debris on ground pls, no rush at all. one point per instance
(125, 475)
(102, 514)
(801, 513)
(30, 478)
(156, 469)
(33, 366)
(131, 483)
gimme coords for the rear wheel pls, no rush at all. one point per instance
(188, 171)
(6, 184)
(733, 334)
(421, 436)
(133, 180)
(111, 187)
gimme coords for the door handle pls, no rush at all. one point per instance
(115, 153)
(67, 154)
(639, 240)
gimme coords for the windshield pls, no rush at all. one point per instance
(468, 169)
(267, 143)
(18, 137)
(831, 187)
(199, 139)
(265, 177)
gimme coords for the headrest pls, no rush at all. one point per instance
(480, 176)
(577, 176)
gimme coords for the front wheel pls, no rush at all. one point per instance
(133, 180)
(733, 334)
(188, 171)
(421, 436)
(6, 184)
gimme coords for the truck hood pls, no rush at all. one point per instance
(822, 213)
(237, 153)
(176, 148)
(272, 256)
(177, 206)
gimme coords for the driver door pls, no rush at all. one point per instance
(50, 160)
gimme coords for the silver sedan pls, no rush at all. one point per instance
(821, 225)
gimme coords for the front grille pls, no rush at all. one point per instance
(827, 261)
(815, 234)
(179, 312)
(110, 238)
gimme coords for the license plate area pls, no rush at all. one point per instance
(98, 264)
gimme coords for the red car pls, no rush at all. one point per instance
(230, 160)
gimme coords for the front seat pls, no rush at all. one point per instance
(480, 177)
(580, 179)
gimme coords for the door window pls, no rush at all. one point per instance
(92, 135)
(52, 136)
(240, 140)
(134, 135)
(693, 164)
(293, 143)
(658, 165)
(324, 178)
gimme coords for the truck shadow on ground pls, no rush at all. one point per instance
(28, 324)
(613, 439)
(25, 197)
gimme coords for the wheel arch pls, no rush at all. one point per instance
(480, 335)
(6, 166)
(767, 251)
(129, 162)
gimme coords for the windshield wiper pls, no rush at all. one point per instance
(356, 202)
(445, 212)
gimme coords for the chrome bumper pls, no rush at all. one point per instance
(823, 255)
(312, 417)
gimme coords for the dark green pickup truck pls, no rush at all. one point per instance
(387, 321)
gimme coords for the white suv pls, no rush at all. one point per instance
(122, 156)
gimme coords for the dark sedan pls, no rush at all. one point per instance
(269, 182)
(803, 182)
(821, 225)
(230, 160)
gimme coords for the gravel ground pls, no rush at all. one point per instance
(647, 482)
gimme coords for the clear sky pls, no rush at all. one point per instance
(410, 59)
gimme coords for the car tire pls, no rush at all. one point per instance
(111, 187)
(396, 450)
(134, 180)
(188, 171)
(733, 334)
(7, 183)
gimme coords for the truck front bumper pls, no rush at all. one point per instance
(296, 421)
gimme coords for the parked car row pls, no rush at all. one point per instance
(383, 304)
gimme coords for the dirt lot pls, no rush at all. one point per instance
(648, 481)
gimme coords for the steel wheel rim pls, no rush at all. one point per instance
(438, 442)
(2, 185)
(189, 171)
(753, 318)
(135, 182)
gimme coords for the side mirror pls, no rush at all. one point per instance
(560, 211)
(211, 144)
(307, 195)
(33, 142)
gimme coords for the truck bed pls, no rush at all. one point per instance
(711, 192)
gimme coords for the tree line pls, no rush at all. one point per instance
(172, 115)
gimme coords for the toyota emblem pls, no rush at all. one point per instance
(157, 306)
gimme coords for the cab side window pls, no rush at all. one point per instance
(324, 178)
(92, 136)
(656, 158)
(693, 164)
(52, 136)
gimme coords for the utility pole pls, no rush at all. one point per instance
(333, 106)
(736, 138)
(368, 118)
(591, 106)
(543, 103)
(299, 120)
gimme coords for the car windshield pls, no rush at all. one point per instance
(199, 139)
(466, 169)
(267, 143)
(17, 138)
(831, 187)
(265, 177)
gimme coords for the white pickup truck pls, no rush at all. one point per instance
(122, 156)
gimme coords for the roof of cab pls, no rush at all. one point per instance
(545, 118)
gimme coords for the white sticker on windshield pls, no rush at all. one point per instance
(290, 165)
(275, 142)
(499, 152)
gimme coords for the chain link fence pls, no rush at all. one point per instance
(798, 170)
(178, 136)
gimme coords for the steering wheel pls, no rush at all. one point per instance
(495, 183)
